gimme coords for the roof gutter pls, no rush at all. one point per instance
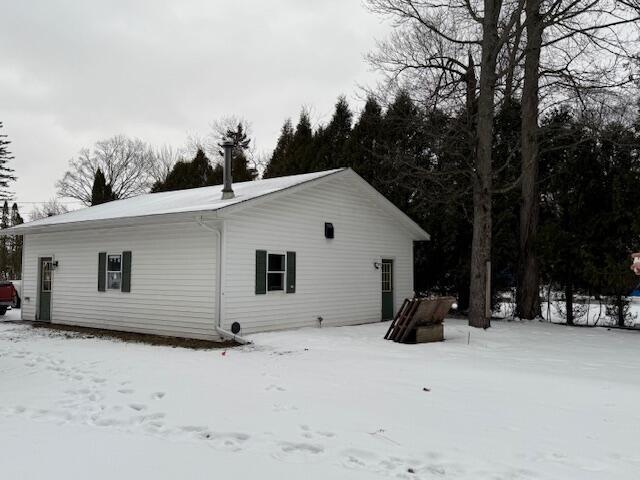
(221, 331)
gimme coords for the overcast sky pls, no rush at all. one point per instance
(73, 72)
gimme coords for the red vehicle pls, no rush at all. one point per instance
(8, 297)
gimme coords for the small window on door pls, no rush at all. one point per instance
(276, 268)
(114, 272)
(386, 277)
(46, 276)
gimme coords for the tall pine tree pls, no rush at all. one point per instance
(6, 173)
(101, 191)
(300, 159)
(5, 222)
(362, 151)
(330, 141)
(15, 242)
(241, 171)
(278, 165)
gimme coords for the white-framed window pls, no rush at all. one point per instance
(114, 271)
(276, 269)
(387, 279)
(46, 276)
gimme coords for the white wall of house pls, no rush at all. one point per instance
(173, 279)
(335, 279)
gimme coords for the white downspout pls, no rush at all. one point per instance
(223, 333)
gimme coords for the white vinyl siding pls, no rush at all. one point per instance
(335, 278)
(173, 284)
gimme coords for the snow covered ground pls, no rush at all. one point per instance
(523, 400)
(592, 313)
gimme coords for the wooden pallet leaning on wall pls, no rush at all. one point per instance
(418, 313)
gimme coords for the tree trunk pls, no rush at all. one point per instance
(568, 299)
(482, 182)
(528, 297)
(620, 310)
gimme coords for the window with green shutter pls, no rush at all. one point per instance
(276, 268)
(102, 271)
(114, 271)
(291, 272)
(261, 272)
(275, 272)
(126, 272)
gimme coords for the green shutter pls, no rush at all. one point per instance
(291, 272)
(102, 271)
(261, 272)
(126, 272)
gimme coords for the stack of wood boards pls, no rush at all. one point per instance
(419, 320)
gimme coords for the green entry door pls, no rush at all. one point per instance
(387, 289)
(44, 290)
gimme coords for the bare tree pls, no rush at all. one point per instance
(438, 38)
(570, 50)
(48, 209)
(222, 129)
(162, 161)
(125, 162)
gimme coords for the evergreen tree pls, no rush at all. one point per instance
(282, 153)
(405, 147)
(4, 242)
(6, 173)
(301, 155)
(590, 209)
(101, 191)
(330, 141)
(506, 205)
(240, 169)
(192, 174)
(362, 150)
(15, 245)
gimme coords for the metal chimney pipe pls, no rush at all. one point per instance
(227, 190)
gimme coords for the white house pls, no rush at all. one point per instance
(319, 248)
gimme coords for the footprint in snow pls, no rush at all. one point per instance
(308, 433)
(157, 395)
(275, 387)
(232, 441)
(298, 451)
(138, 407)
(125, 391)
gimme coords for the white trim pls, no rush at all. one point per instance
(393, 284)
(283, 272)
(222, 211)
(235, 207)
(153, 218)
(222, 269)
(22, 268)
(39, 288)
(106, 272)
(219, 231)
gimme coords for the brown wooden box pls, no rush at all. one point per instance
(430, 333)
